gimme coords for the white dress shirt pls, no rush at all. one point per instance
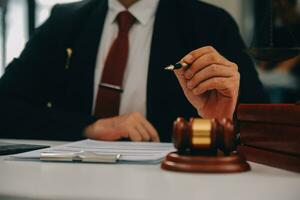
(133, 98)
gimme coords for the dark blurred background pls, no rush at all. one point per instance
(19, 18)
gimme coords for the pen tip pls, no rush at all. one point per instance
(169, 68)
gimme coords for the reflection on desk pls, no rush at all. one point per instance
(42, 180)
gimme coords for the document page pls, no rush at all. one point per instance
(138, 152)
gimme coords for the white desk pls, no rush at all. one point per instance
(40, 180)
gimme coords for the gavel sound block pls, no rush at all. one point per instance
(204, 146)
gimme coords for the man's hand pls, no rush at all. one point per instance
(211, 83)
(132, 126)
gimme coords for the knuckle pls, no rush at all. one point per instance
(235, 80)
(194, 53)
(211, 57)
(210, 48)
(128, 121)
(192, 82)
(232, 93)
(194, 69)
(225, 81)
(228, 82)
(216, 82)
(235, 66)
(195, 91)
(218, 58)
(238, 76)
(134, 115)
(190, 72)
(214, 69)
(214, 57)
(198, 89)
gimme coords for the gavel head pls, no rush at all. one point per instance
(204, 135)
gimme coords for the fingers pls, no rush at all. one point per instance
(210, 83)
(192, 56)
(210, 71)
(98, 131)
(111, 134)
(144, 128)
(133, 126)
(226, 86)
(152, 133)
(202, 59)
(143, 135)
(134, 134)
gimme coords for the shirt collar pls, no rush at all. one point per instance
(142, 10)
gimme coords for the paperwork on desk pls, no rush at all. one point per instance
(102, 152)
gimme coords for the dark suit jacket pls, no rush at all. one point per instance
(39, 75)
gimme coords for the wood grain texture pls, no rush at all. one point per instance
(287, 114)
(285, 139)
(271, 158)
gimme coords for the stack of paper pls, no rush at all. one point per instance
(93, 151)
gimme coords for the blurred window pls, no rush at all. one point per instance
(17, 25)
(16, 22)
(44, 7)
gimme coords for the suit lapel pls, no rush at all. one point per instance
(85, 48)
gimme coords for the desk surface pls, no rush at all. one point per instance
(41, 180)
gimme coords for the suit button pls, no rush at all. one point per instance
(49, 105)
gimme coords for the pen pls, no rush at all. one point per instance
(177, 66)
(82, 156)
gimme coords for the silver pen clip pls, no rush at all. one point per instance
(83, 156)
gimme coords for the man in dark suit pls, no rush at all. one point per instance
(52, 90)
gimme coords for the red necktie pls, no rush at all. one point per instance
(110, 87)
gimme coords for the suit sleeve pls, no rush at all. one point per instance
(23, 110)
(233, 48)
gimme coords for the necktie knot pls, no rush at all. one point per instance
(125, 21)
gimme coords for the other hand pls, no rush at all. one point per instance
(132, 126)
(211, 83)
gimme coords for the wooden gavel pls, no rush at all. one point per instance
(204, 135)
(197, 143)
